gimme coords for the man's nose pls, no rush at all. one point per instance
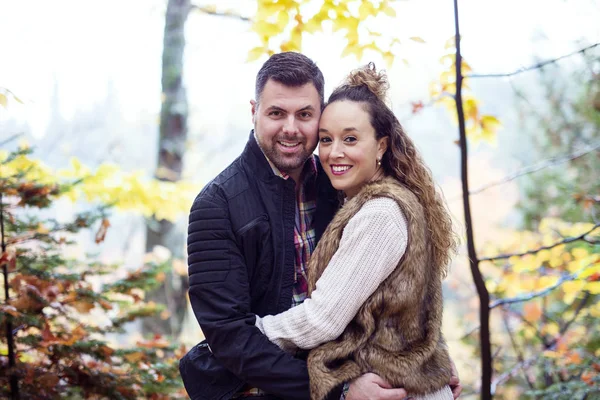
(290, 125)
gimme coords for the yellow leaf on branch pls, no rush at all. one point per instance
(592, 287)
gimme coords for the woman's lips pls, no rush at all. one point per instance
(340, 169)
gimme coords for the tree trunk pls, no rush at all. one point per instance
(171, 148)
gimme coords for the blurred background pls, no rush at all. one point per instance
(91, 89)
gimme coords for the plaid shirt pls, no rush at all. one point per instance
(304, 238)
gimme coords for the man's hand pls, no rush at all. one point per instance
(455, 382)
(372, 387)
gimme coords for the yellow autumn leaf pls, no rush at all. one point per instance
(365, 10)
(543, 256)
(283, 18)
(255, 53)
(388, 57)
(417, 39)
(551, 328)
(490, 123)
(551, 354)
(266, 29)
(579, 252)
(592, 287)
(571, 290)
(312, 26)
(3, 100)
(547, 281)
(592, 270)
(450, 43)
(134, 357)
(595, 310)
(388, 10)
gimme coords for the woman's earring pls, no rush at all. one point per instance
(379, 162)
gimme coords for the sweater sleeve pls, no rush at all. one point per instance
(371, 247)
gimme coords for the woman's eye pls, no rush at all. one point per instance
(350, 139)
(325, 140)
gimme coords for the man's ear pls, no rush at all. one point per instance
(254, 108)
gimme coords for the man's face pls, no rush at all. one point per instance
(286, 120)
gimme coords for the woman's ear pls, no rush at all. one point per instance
(382, 146)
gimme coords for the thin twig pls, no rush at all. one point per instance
(539, 293)
(11, 138)
(537, 167)
(516, 348)
(212, 11)
(536, 66)
(534, 251)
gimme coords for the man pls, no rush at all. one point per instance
(251, 232)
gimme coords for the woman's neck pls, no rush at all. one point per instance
(379, 174)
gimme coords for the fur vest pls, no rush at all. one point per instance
(397, 332)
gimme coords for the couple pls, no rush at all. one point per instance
(356, 317)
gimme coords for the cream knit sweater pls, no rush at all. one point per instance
(371, 247)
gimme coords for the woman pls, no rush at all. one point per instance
(375, 278)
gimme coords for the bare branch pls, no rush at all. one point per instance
(11, 138)
(551, 162)
(536, 66)
(534, 251)
(516, 349)
(525, 364)
(539, 293)
(213, 11)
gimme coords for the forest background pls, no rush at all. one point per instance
(113, 115)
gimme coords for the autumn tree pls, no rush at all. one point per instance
(546, 282)
(566, 132)
(58, 313)
(172, 138)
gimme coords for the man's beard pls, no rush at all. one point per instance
(285, 162)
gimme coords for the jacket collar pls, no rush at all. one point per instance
(257, 161)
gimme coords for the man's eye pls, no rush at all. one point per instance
(275, 113)
(305, 115)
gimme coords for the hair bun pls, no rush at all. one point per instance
(368, 76)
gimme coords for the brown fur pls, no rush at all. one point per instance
(397, 332)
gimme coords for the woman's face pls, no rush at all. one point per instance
(347, 146)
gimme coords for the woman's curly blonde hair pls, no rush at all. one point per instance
(401, 160)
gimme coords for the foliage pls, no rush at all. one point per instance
(565, 127)
(547, 286)
(108, 184)
(66, 314)
(290, 19)
(479, 126)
